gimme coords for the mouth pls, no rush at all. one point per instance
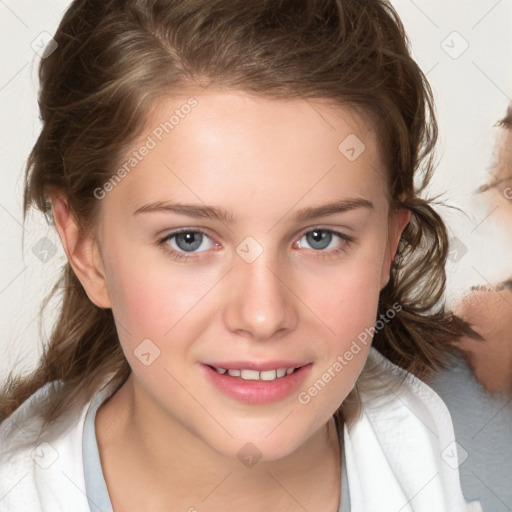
(250, 374)
(257, 384)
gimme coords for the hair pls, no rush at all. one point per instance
(116, 58)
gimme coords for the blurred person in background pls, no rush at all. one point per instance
(477, 385)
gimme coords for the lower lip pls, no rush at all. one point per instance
(258, 391)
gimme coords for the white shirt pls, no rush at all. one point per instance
(400, 454)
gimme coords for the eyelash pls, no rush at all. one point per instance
(180, 256)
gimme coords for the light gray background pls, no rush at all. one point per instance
(472, 91)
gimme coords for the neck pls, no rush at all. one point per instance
(174, 464)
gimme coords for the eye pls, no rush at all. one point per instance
(320, 239)
(183, 245)
(187, 241)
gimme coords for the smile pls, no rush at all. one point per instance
(267, 383)
(266, 375)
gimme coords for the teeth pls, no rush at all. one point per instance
(250, 375)
(267, 375)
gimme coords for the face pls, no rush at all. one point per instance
(215, 255)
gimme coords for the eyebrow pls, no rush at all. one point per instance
(220, 214)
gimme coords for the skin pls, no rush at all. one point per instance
(490, 313)
(262, 160)
(489, 310)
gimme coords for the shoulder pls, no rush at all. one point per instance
(396, 392)
(41, 470)
(401, 451)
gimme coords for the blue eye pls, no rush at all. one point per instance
(319, 239)
(187, 241)
(184, 244)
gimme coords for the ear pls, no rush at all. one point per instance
(398, 220)
(82, 252)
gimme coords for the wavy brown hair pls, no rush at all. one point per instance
(115, 58)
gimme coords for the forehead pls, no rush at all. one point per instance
(219, 143)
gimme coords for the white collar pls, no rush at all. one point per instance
(401, 454)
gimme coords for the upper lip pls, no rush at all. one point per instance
(258, 366)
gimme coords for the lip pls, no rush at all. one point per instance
(257, 391)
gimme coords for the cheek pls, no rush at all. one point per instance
(153, 299)
(348, 309)
(346, 296)
(346, 304)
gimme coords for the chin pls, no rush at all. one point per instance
(266, 445)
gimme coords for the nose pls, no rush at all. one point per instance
(261, 303)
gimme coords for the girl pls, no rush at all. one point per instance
(252, 279)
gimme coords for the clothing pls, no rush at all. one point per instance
(95, 485)
(393, 454)
(483, 429)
